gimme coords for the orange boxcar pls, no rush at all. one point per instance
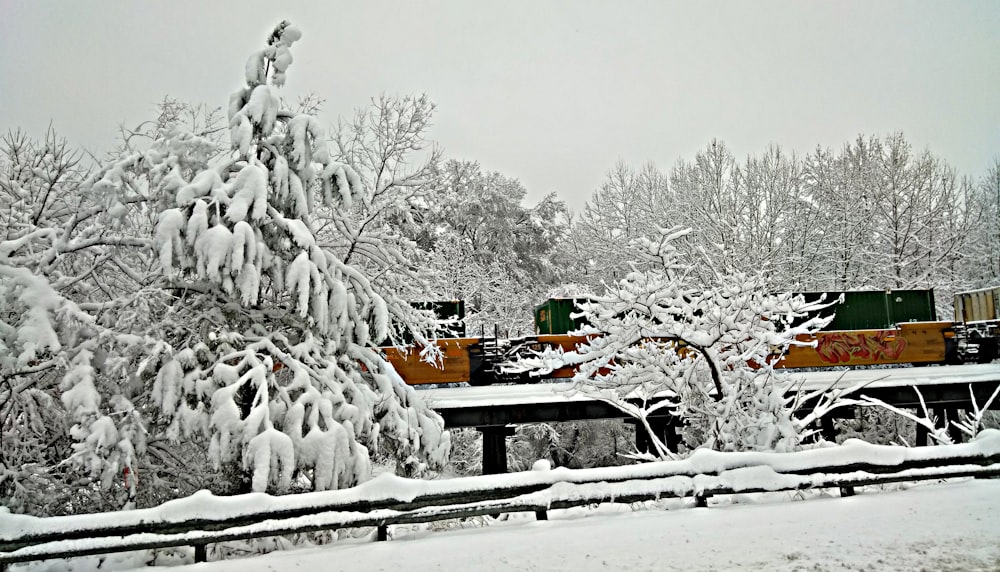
(461, 358)
(910, 342)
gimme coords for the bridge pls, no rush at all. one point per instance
(494, 409)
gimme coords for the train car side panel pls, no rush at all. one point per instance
(456, 367)
(554, 316)
(914, 342)
(876, 309)
(978, 305)
(567, 343)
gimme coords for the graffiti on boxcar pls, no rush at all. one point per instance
(844, 347)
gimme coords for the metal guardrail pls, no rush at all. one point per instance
(705, 474)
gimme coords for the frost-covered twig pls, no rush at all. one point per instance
(927, 421)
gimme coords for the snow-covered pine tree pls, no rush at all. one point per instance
(279, 359)
(179, 294)
(703, 352)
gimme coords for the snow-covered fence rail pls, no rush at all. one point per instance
(388, 500)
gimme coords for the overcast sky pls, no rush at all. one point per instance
(552, 93)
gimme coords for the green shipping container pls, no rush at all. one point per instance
(553, 316)
(860, 310)
(877, 309)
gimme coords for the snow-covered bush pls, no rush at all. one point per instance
(704, 352)
(571, 444)
(185, 299)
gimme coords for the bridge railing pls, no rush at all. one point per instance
(387, 500)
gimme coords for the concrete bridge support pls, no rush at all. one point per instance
(495, 448)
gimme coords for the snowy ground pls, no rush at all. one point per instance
(951, 526)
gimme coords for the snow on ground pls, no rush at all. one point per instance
(949, 526)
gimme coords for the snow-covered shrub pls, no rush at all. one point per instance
(876, 425)
(660, 341)
(466, 456)
(571, 444)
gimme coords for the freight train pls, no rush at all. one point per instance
(868, 328)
